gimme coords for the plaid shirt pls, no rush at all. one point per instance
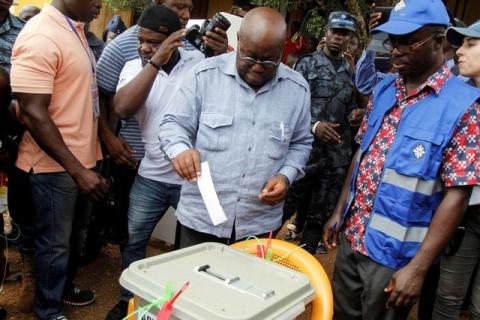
(460, 165)
(9, 31)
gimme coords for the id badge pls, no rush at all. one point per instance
(95, 98)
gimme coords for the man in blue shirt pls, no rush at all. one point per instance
(252, 129)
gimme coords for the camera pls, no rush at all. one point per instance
(196, 33)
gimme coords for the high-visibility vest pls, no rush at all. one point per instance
(410, 190)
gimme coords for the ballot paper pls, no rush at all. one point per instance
(209, 195)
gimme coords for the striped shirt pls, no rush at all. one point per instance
(9, 31)
(118, 52)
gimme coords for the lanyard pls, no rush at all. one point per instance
(87, 50)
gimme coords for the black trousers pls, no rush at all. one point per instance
(358, 287)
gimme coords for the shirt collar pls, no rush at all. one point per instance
(434, 83)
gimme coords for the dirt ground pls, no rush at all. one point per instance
(102, 276)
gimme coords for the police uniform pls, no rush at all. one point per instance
(332, 100)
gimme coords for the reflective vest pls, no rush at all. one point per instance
(409, 191)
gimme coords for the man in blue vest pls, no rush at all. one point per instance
(409, 184)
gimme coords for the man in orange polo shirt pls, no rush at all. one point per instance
(53, 78)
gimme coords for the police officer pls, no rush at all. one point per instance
(329, 76)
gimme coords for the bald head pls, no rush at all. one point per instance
(28, 12)
(263, 25)
(260, 43)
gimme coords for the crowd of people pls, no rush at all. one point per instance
(374, 151)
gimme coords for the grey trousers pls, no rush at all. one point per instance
(358, 287)
(456, 272)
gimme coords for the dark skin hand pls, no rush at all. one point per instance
(117, 148)
(34, 113)
(187, 165)
(130, 98)
(405, 286)
(356, 117)
(327, 132)
(374, 18)
(332, 227)
(350, 59)
(217, 41)
(274, 191)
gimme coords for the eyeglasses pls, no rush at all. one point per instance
(404, 45)
(266, 64)
(251, 62)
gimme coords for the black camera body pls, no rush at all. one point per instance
(196, 33)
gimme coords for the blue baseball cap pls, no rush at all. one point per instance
(455, 35)
(410, 15)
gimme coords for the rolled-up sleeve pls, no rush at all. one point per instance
(300, 145)
(179, 126)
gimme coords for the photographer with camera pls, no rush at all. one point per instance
(147, 84)
(128, 149)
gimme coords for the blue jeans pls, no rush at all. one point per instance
(149, 200)
(61, 224)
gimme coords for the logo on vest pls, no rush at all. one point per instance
(419, 151)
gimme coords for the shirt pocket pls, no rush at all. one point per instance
(215, 131)
(321, 85)
(279, 140)
(421, 153)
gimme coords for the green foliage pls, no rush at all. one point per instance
(134, 5)
(316, 19)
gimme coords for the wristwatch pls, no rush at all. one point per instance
(157, 66)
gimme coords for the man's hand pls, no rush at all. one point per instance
(374, 18)
(331, 230)
(404, 287)
(168, 47)
(121, 152)
(91, 183)
(326, 131)
(217, 41)
(274, 191)
(356, 116)
(350, 59)
(187, 165)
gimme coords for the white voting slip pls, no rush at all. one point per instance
(209, 195)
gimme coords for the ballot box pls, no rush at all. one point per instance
(224, 284)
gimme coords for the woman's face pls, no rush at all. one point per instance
(469, 57)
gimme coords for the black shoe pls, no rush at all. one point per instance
(79, 298)
(310, 249)
(60, 318)
(321, 249)
(118, 312)
(3, 313)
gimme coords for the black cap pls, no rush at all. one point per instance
(342, 20)
(160, 19)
